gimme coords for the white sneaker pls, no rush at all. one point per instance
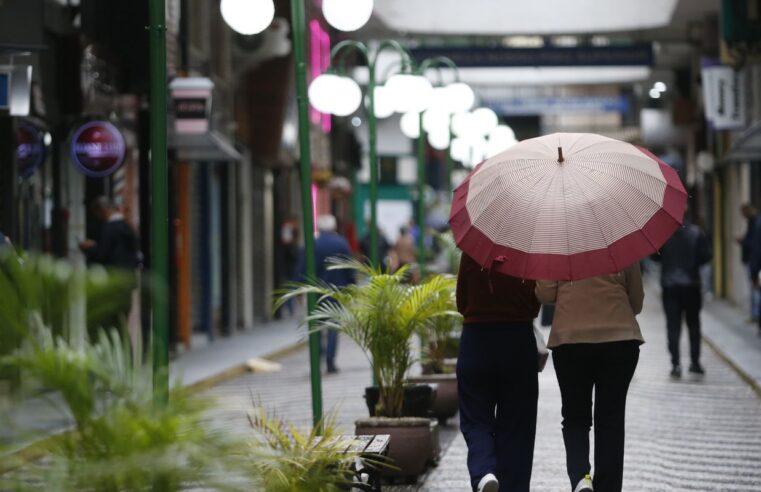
(584, 485)
(488, 484)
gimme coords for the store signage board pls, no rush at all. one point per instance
(539, 105)
(192, 104)
(30, 148)
(97, 148)
(723, 95)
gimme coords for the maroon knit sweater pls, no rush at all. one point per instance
(488, 296)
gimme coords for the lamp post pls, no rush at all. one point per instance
(455, 97)
(408, 91)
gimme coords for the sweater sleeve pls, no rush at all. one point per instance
(546, 291)
(634, 287)
(461, 288)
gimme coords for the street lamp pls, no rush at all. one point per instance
(347, 15)
(403, 92)
(248, 16)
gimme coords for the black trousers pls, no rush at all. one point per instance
(498, 390)
(683, 302)
(608, 369)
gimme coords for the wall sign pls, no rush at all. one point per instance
(723, 95)
(97, 148)
(30, 148)
(5, 87)
(192, 104)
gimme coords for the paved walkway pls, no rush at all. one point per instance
(693, 434)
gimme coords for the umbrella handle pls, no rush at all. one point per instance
(560, 154)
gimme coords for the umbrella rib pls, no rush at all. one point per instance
(618, 178)
(599, 226)
(638, 228)
(536, 222)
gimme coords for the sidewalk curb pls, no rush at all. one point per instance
(37, 449)
(241, 368)
(740, 372)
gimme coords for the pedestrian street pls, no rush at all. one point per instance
(692, 434)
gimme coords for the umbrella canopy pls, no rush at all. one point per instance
(567, 206)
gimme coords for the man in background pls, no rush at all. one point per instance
(117, 245)
(330, 244)
(681, 258)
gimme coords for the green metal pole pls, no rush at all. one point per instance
(159, 203)
(373, 161)
(299, 47)
(421, 198)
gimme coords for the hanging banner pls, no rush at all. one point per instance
(723, 95)
(192, 104)
(30, 148)
(97, 149)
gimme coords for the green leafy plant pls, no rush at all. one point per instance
(285, 458)
(381, 313)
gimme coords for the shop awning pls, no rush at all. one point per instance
(209, 146)
(747, 147)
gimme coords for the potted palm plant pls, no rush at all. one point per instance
(381, 314)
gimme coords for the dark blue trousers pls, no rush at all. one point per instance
(498, 389)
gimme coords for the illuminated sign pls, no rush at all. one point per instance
(30, 148)
(97, 148)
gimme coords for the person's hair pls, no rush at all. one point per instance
(327, 223)
(403, 230)
(748, 209)
(102, 203)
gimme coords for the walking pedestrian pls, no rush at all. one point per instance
(5, 242)
(681, 258)
(595, 341)
(750, 214)
(754, 259)
(117, 249)
(330, 243)
(497, 378)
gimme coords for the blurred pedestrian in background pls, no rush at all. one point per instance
(384, 247)
(681, 258)
(595, 341)
(497, 369)
(5, 242)
(405, 247)
(754, 258)
(750, 214)
(289, 256)
(117, 248)
(117, 245)
(331, 244)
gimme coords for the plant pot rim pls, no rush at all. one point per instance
(427, 377)
(393, 422)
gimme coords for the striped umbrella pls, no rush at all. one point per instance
(567, 206)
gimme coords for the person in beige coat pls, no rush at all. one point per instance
(595, 341)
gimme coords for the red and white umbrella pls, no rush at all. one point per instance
(567, 206)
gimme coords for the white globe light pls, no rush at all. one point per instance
(440, 100)
(478, 150)
(439, 139)
(486, 120)
(464, 124)
(436, 120)
(460, 149)
(348, 97)
(347, 15)
(495, 147)
(460, 97)
(501, 133)
(384, 106)
(323, 92)
(409, 92)
(248, 16)
(410, 124)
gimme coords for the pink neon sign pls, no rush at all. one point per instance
(319, 61)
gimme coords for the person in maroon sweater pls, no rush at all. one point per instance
(497, 376)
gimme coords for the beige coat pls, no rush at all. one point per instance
(595, 310)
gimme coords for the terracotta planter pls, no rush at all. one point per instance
(410, 448)
(445, 405)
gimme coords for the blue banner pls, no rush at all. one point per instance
(524, 106)
(4, 89)
(586, 56)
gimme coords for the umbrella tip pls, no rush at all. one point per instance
(560, 154)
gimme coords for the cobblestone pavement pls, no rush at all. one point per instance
(692, 434)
